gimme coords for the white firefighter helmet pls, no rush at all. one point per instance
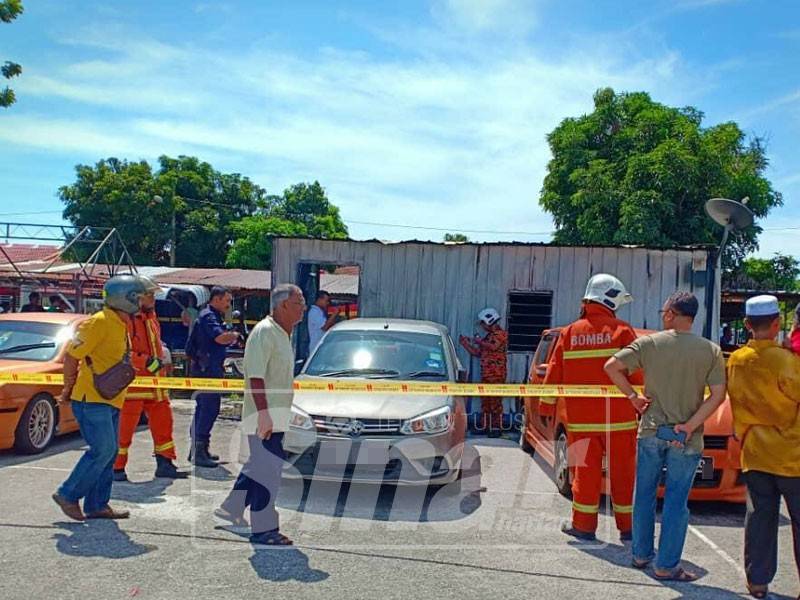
(607, 290)
(488, 316)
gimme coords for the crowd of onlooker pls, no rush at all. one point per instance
(56, 303)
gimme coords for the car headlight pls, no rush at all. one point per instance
(435, 421)
(301, 420)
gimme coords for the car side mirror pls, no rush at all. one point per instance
(298, 366)
(462, 376)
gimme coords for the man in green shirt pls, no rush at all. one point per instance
(677, 366)
(269, 376)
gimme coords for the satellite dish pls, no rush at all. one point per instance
(730, 214)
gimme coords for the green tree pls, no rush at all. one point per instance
(779, 273)
(221, 219)
(308, 204)
(638, 172)
(140, 203)
(118, 193)
(206, 204)
(302, 211)
(9, 10)
(456, 237)
(251, 248)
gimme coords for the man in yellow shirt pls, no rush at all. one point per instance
(100, 343)
(764, 388)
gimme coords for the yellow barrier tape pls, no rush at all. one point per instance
(346, 386)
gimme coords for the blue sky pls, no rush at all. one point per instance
(421, 113)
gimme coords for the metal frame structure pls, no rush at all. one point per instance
(99, 253)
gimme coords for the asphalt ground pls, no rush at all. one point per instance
(496, 535)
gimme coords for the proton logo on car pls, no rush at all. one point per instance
(354, 428)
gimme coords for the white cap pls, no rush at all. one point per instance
(762, 306)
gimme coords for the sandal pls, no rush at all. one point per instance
(758, 591)
(678, 574)
(640, 564)
(235, 520)
(275, 538)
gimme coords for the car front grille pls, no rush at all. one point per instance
(354, 427)
(715, 442)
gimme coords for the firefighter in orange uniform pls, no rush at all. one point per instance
(596, 426)
(492, 350)
(147, 357)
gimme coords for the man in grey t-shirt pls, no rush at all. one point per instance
(678, 366)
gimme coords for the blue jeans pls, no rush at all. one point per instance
(92, 476)
(681, 465)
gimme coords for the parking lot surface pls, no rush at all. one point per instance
(496, 534)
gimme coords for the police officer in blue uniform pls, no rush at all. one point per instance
(206, 347)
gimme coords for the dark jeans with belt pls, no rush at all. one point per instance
(764, 491)
(207, 406)
(258, 484)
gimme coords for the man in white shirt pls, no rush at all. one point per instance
(268, 374)
(318, 320)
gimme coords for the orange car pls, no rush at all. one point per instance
(719, 476)
(33, 343)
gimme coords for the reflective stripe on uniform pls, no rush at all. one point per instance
(586, 508)
(167, 446)
(602, 427)
(625, 509)
(144, 395)
(573, 354)
(548, 400)
(122, 451)
(148, 395)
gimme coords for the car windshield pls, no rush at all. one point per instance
(380, 354)
(29, 340)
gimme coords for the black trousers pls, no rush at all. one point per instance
(258, 484)
(764, 491)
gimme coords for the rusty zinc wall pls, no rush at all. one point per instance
(450, 283)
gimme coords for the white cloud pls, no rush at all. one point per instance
(456, 141)
(510, 16)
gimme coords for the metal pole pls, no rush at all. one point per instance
(174, 241)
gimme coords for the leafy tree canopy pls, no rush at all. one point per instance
(638, 172)
(455, 237)
(779, 273)
(222, 219)
(302, 211)
(9, 10)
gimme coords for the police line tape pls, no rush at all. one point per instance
(346, 386)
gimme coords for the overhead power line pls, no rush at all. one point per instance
(453, 229)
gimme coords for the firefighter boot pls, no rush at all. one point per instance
(166, 468)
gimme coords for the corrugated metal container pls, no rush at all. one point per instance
(450, 283)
